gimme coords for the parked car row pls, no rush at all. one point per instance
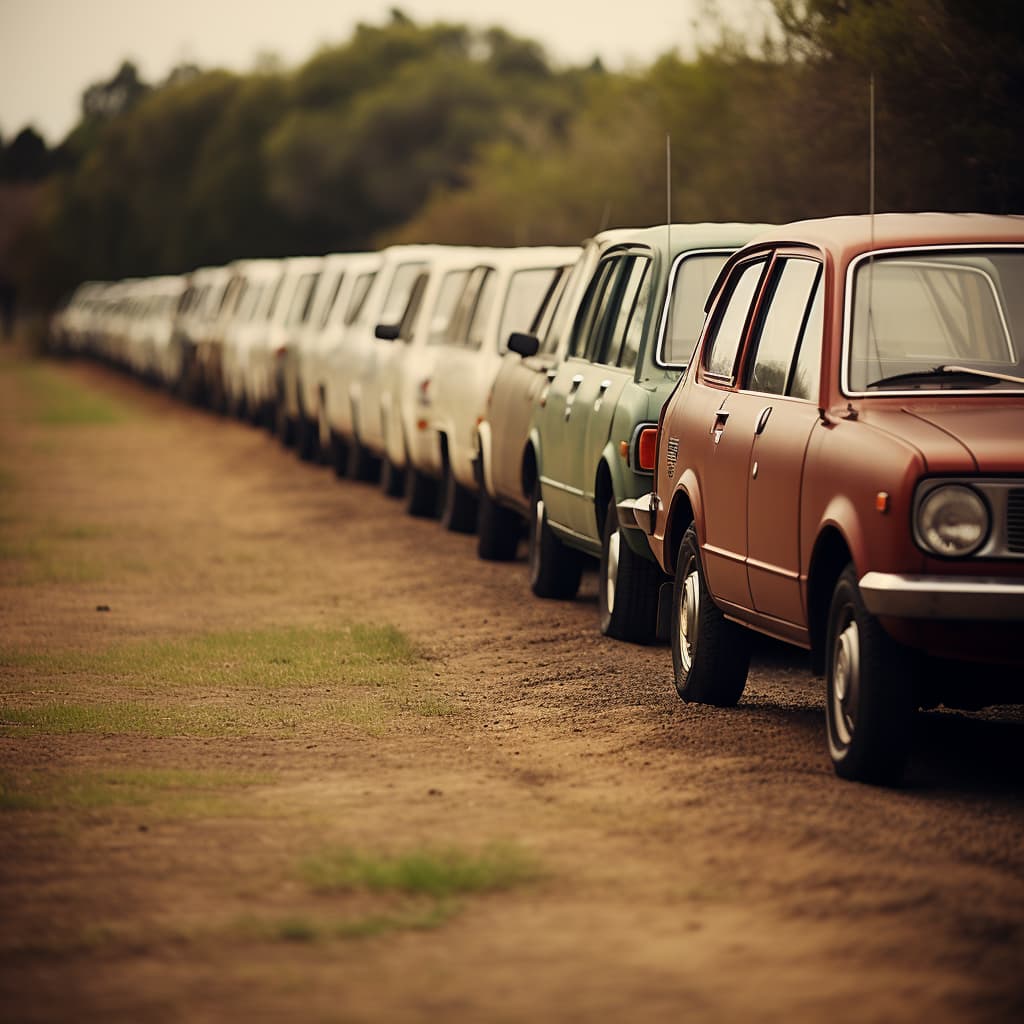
(813, 431)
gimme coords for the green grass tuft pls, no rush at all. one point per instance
(169, 791)
(59, 401)
(437, 873)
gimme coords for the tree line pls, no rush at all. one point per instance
(438, 132)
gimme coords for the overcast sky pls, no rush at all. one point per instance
(50, 50)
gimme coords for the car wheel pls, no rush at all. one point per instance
(420, 494)
(458, 504)
(361, 464)
(392, 478)
(337, 454)
(710, 654)
(497, 531)
(555, 569)
(869, 704)
(628, 592)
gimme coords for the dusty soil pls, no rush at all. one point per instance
(694, 864)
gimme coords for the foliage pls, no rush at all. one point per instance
(442, 133)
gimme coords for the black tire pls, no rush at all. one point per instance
(498, 530)
(458, 504)
(555, 568)
(392, 478)
(306, 440)
(628, 591)
(337, 454)
(362, 463)
(421, 494)
(869, 691)
(710, 654)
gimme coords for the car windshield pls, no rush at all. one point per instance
(937, 320)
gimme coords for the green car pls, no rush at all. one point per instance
(638, 323)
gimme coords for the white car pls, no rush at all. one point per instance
(267, 343)
(353, 363)
(507, 292)
(259, 283)
(405, 357)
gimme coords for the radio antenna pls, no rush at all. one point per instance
(872, 336)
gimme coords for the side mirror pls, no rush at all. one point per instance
(387, 332)
(525, 344)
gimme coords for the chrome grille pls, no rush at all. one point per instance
(1015, 520)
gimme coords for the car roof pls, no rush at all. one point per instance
(681, 237)
(846, 237)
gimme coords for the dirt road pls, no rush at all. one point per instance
(162, 798)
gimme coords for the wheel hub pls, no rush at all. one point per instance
(846, 682)
(689, 611)
(612, 570)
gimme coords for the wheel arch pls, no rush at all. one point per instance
(829, 558)
(680, 517)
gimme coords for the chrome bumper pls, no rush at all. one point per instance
(975, 598)
(639, 513)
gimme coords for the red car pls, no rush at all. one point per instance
(842, 467)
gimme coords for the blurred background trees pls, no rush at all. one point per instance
(441, 133)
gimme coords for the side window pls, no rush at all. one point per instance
(399, 292)
(524, 301)
(587, 331)
(360, 289)
(633, 298)
(458, 324)
(332, 298)
(448, 294)
(561, 314)
(781, 325)
(731, 320)
(804, 380)
(486, 299)
(695, 277)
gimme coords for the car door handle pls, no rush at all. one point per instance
(604, 386)
(721, 418)
(762, 420)
(570, 398)
(551, 374)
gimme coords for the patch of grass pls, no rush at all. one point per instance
(281, 680)
(170, 791)
(58, 401)
(273, 658)
(438, 873)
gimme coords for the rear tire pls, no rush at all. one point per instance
(710, 654)
(421, 493)
(362, 464)
(628, 592)
(555, 568)
(869, 691)
(458, 504)
(392, 478)
(498, 530)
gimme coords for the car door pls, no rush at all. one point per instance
(722, 455)
(584, 391)
(779, 407)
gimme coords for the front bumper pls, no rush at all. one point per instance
(973, 598)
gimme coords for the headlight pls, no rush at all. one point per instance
(952, 521)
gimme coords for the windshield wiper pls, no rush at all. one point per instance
(944, 370)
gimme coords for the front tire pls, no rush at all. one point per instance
(869, 705)
(497, 531)
(710, 654)
(628, 593)
(555, 568)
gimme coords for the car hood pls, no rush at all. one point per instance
(985, 437)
